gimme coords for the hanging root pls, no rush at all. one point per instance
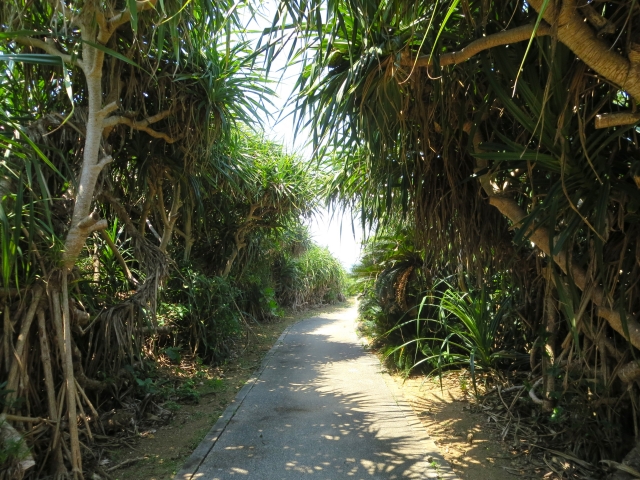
(45, 356)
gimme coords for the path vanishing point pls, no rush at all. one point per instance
(319, 407)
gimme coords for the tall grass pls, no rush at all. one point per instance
(311, 278)
(450, 329)
(474, 319)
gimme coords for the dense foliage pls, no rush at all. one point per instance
(502, 136)
(490, 145)
(140, 213)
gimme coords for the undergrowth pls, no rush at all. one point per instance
(431, 323)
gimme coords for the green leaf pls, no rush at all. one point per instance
(545, 3)
(450, 11)
(35, 58)
(133, 9)
(115, 54)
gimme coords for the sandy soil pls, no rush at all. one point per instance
(468, 443)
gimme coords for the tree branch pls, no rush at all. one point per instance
(515, 35)
(91, 223)
(607, 120)
(597, 20)
(142, 125)
(540, 236)
(170, 221)
(507, 37)
(162, 208)
(176, 229)
(153, 230)
(108, 109)
(48, 48)
(597, 54)
(121, 18)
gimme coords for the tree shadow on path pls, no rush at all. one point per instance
(320, 408)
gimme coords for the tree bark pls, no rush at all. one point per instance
(597, 54)
(238, 245)
(63, 332)
(94, 29)
(575, 33)
(540, 237)
(239, 238)
(169, 221)
(514, 35)
(83, 222)
(18, 351)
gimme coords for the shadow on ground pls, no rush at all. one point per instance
(320, 408)
(444, 410)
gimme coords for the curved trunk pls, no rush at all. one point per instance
(239, 238)
(230, 260)
(83, 222)
(540, 237)
(169, 221)
(574, 32)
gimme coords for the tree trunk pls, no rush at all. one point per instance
(83, 222)
(94, 29)
(231, 259)
(63, 332)
(575, 33)
(169, 221)
(239, 238)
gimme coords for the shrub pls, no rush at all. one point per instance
(205, 311)
(314, 277)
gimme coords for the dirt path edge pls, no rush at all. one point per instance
(191, 466)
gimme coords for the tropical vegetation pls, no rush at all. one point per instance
(489, 150)
(143, 213)
(491, 146)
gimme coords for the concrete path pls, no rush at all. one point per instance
(319, 407)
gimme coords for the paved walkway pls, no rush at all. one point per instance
(319, 407)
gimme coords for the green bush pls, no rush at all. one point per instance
(205, 311)
(391, 279)
(281, 268)
(312, 278)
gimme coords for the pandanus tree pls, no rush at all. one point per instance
(110, 113)
(268, 189)
(474, 118)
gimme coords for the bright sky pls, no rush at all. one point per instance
(334, 233)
